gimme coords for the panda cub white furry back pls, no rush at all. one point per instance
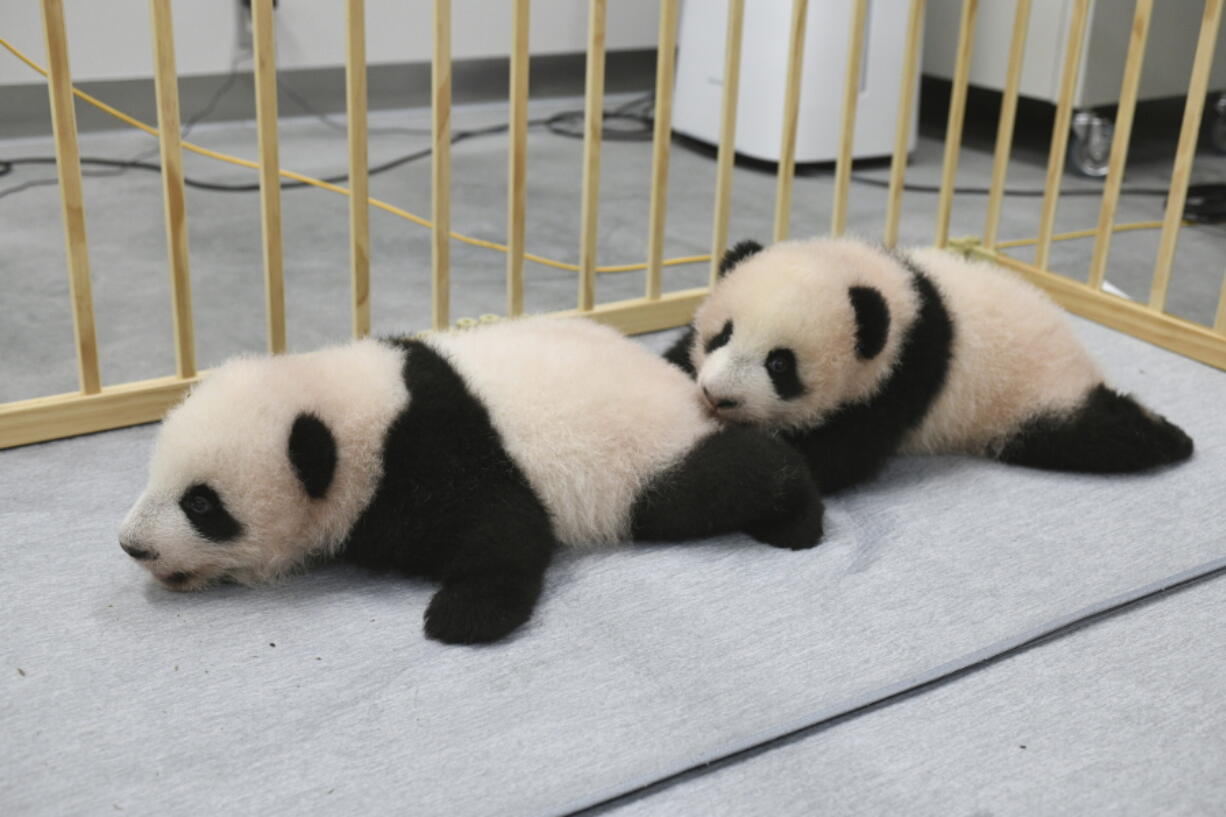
(853, 353)
(466, 457)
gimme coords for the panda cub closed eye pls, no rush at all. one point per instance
(720, 339)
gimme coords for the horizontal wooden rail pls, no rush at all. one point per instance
(1139, 320)
(146, 401)
(66, 415)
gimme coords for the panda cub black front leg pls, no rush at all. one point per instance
(491, 583)
(737, 479)
(481, 607)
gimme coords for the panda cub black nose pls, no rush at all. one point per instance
(718, 402)
(138, 553)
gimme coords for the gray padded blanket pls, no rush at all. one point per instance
(1122, 718)
(320, 695)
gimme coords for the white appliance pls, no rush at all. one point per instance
(764, 58)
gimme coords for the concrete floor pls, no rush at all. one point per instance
(128, 256)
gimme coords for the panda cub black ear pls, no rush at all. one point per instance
(872, 321)
(312, 452)
(736, 254)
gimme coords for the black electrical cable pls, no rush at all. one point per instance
(6, 166)
(565, 123)
(120, 166)
(630, 122)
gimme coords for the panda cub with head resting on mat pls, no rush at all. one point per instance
(466, 457)
(853, 353)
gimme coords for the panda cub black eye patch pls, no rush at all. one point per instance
(781, 366)
(208, 515)
(722, 338)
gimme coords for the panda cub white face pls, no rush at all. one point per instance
(266, 464)
(793, 332)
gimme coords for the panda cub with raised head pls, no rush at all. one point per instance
(466, 457)
(852, 353)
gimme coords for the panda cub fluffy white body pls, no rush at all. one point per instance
(853, 353)
(466, 457)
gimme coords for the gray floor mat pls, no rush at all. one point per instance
(771, 779)
(641, 661)
(1123, 718)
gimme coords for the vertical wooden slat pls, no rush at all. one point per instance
(72, 206)
(359, 178)
(516, 160)
(1004, 128)
(727, 134)
(1219, 323)
(166, 85)
(666, 51)
(1060, 131)
(440, 175)
(1185, 152)
(851, 95)
(593, 122)
(902, 128)
(791, 111)
(1119, 144)
(270, 166)
(957, 112)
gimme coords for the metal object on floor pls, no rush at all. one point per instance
(1217, 124)
(1091, 144)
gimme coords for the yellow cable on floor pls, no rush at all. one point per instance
(344, 191)
(1118, 228)
(467, 239)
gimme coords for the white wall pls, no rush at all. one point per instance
(109, 39)
(1170, 47)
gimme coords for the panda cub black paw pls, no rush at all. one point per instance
(478, 611)
(798, 526)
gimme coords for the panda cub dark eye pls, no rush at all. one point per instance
(781, 366)
(208, 515)
(199, 504)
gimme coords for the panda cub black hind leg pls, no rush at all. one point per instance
(737, 479)
(1108, 433)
